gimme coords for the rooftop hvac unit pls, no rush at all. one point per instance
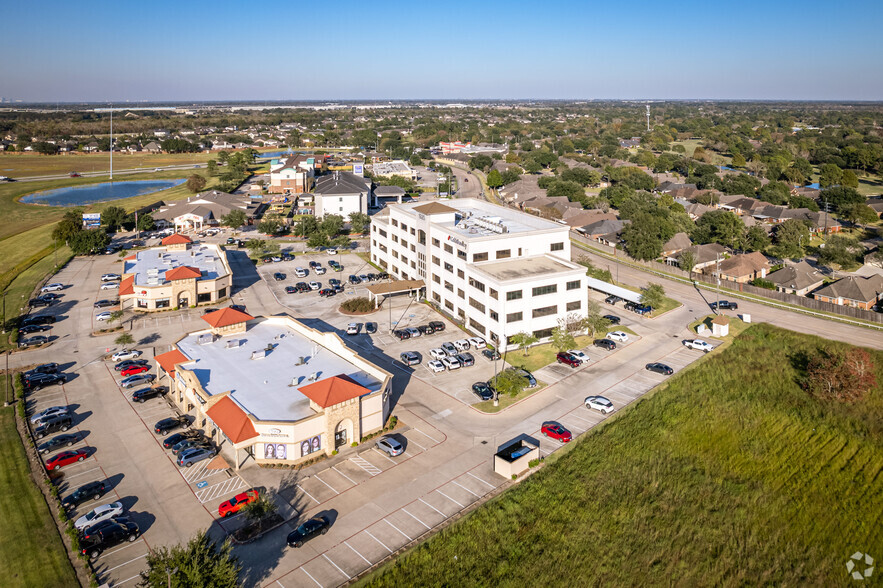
(153, 281)
(260, 354)
(205, 339)
(152, 271)
(234, 343)
(210, 259)
(493, 223)
(313, 377)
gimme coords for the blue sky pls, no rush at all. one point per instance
(220, 50)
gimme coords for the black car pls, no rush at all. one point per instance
(40, 319)
(65, 440)
(108, 537)
(437, 326)
(302, 287)
(401, 335)
(410, 358)
(129, 363)
(28, 329)
(43, 368)
(354, 279)
(308, 530)
(61, 422)
(383, 276)
(40, 381)
(659, 368)
(425, 329)
(182, 446)
(327, 292)
(605, 344)
(105, 303)
(465, 359)
(630, 306)
(491, 354)
(334, 282)
(238, 307)
(39, 302)
(370, 328)
(724, 305)
(372, 277)
(314, 264)
(170, 424)
(614, 320)
(173, 440)
(278, 276)
(147, 393)
(483, 391)
(49, 296)
(292, 290)
(91, 530)
(86, 492)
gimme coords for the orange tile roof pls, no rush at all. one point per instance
(131, 257)
(232, 420)
(226, 317)
(333, 390)
(169, 360)
(183, 272)
(127, 286)
(176, 239)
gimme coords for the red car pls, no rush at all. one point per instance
(232, 506)
(135, 369)
(66, 458)
(556, 431)
(568, 359)
(74, 175)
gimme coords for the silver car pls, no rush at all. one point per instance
(390, 446)
(195, 454)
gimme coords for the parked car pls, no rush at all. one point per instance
(612, 299)
(331, 251)
(353, 328)
(43, 368)
(39, 302)
(618, 336)
(327, 292)
(85, 493)
(279, 276)
(451, 362)
(477, 342)
(40, 381)
(126, 354)
(128, 363)
(66, 440)
(302, 287)
(401, 334)
(228, 508)
(308, 530)
(59, 460)
(436, 366)
(599, 403)
(410, 358)
(134, 369)
(567, 359)
(103, 316)
(61, 422)
(109, 286)
(173, 440)
(105, 303)
(465, 359)
(390, 446)
(170, 424)
(191, 443)
(425, 329)
(531, 381)
(147, 393)
(292, 290)
(110, 277)
(699, 345)
(313, 264)
(557, 432)
(370, 328)
(612, 318)
(315, 285)
(724, 305)
(643, 309)
(40, 319)
(320, 271)
(98, 514)
(74, 175)
(107, 537)
(437, 326)
(604, 344)
(449, 348)
(482, 390)
(354, 279)
(49, 412)
(33, 341)
(301, 272)
(491, 354)
(52, 287)
(133, 381)
(194, 455)
(659, 368)
(578, 355)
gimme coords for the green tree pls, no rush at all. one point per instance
(841, 197)
(87, 242)
(223, 156)
(359, 222)
(562, 339)
(482, 162)
(146, 222)
(524, 340)
(719, 226)
(756, 239)
(594, 321)
(261, 508)
(687, 261)
(307, 227)
(69, 225)
(341, 242)
(211, 168)
(234, 219)
(331, 225)
(255, 247)
(653, 295)
(270, 224)
(775, 193)
(317, 240)
(532, 167)
(830, 175)
(124, 339)
(201, 563)
(113, 217)
(841, 252)
(738, 160)
(850, 180)
(195, 183)
(790, 239)
(115, 316)
(494, 179)
(508, 383)
(415, 160)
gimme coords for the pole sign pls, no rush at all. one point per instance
(92, 220)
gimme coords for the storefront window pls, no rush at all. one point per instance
(163, 302)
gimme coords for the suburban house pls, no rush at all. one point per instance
(676, 244)
(798, 279)
(293, 175)
(703, 255)
(577, 218)
(744, 267)
(342, 193)
(605, 232)
(206, 209)
(152, 147)
(856, 291)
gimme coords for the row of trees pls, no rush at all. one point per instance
(82, 241)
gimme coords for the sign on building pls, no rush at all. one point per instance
(91, 220)
(358, 169)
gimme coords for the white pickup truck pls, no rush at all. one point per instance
(698, 344)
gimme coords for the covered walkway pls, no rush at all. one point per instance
(378, 291)
(608, 288)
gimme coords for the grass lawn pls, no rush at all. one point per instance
(737, 326)
(21, 165)
(31, 551)
(729, 474)
(541, 355)
(507, 401)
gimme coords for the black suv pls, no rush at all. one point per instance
(425, 329)
(147, 393)
(42, 319)
(308, 530)
(90, 491)
(401, 335)
(40, 381)
(173, 440)
(370, 328)
(43, 368)
(170, 424)
(354, 279)
(28, 329)
(724, 305)
(437, 326)
(61, 422)
(614, 320)
(383, 276)
(605, 344)
(108, 537)
(39, 302)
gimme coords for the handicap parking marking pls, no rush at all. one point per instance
(366, 465)
(220, 489)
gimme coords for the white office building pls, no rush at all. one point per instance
(498, 270)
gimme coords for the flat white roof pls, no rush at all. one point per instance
(479, 218)
(267, 387)
(526, 267)
(156, 261)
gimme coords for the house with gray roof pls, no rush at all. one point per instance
(342, 193)
(856, 291)
(206, 209)
(798, 279)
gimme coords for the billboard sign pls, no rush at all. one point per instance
(92, 220)
(358, 169)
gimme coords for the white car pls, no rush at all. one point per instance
(452, 363)
(353, 328)
(462, 344)
(478, 342)
(436, 366)
(99, 514)
(320, 271)
(599, 403)
(110, 285)
(300, 272)
(437, 353)
(618, 336)
(102, 316)
(126, 354)
(315, 285)
(698, 344)
(331, 251)
(110, 277)
(52, 287)
(578, 355)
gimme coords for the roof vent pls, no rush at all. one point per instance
(205, 339)
(234, 343)
(313, 377)
(260, 354)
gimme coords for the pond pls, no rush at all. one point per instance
(79, 195)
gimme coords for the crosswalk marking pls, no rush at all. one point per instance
(219, 489)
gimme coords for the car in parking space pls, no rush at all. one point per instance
(354, 328)
(383, 276)
(33, 341)
(110, 278)
(109, 536)
(604, 344)
(275, 259)
(134, 369)
(64, 458)
(483, 390)
(105, 303)
(410, 358)
(437, 353)
(478, 342)
(578, 355)
(300, 272)
(327, 292)
(425, 329)
(370, 328)
(449, 348)
(659, 368)
(698, 344)
(176, 438)
(599, 403)
(191, 443)
(412, 332)
(334, 282)
(291, 290)
(389, 445)
(49, 296)
(61, 422)
(724, 305)
(228, 508)
(43, 368)
(52, 287)
(643, 309)
(49, 412)
(315, 285)
(314, 264)
(98, 514)
(612, 299)
(320, 271)
(466, 359)
(102, 316)
(65, 440)
(40, 319)
(40, 381)
(335, 266)
(308, 530)
(39, 302)
(354, 279)
(618, 336)
(194, 455)
(133, 381)
(331, 251)
(451, 362)
(566, 358)
(462, 344)
(302, 287)
(126, 354)
(170, 424)
(491, 354)
(436, 366)
(531, 381)
(128, 363)
(401, 334)
(85, 493)
(557, 432)
(109, 286)
(279, 276)
(364, 278)
(143, 394)
(612, 319)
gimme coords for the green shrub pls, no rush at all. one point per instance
(761, 283)
(514, 476)
(393, 421)
(360, 304)
(533, 463)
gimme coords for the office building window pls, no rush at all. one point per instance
(382, 232)
(514, 317)
(404, 227)
(461, 254)
(476, 284)
(395, 223)
(476, 304)
(449, 305)
(542, 333)
(449, 286)
(494, 316)
(504, 253)
(436, 279)
(514, 295)
(493, 293)
(435, 260)
(435, 242)
(448, 248)
(461, 313)
(479, 257)
(541, 290)
(557, 246)
(544, 311)
(449, 267)
(461, 293)
(413, 247)
(573, 305)
(436, 297)
(460, 274)
(574, 285)
(395, 239)
(477, 326)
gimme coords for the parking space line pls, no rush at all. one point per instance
(344, 475)
(416, 519)
(435, 509)
(591, 424)
(128, 562)
(280, 584)
(357, 553)
(451, 499)
(383, 454)
(467, 489)
(126, 580)
(425, 435)
(336, 566)
(399, 530)
(124, 547)
(67, 477)
(417, 444)
(326, 483)
(366, 465)
(378, 540)
(307, 493)
(480, 480)
(310, 576)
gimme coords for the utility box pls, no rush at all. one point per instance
(514, 459)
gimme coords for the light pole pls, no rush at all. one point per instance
(169, 572)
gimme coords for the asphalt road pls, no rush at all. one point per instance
(98, 174)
